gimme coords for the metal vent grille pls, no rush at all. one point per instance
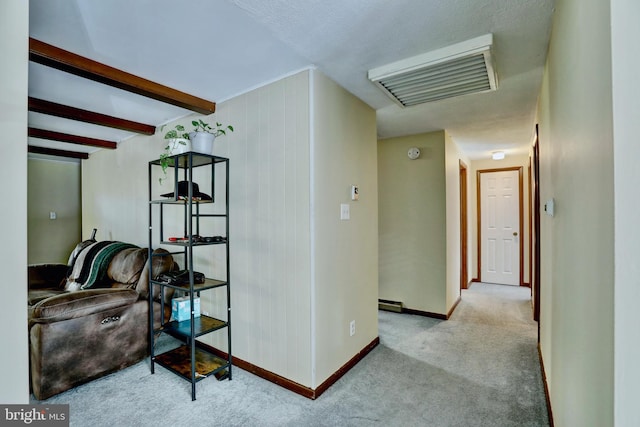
(453, 71)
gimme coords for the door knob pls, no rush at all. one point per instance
(515, 233)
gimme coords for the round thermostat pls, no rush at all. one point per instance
(413, 153)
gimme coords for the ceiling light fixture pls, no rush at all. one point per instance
(455, 70)
(497, 155)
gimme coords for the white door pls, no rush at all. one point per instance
(500, 227)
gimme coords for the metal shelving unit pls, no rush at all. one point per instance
(193, 360)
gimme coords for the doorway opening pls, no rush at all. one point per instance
(464, 257)
(500, 243)
(535, 237)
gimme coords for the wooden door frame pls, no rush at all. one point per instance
(520, 217)
(530, 220)
(464, 227)
(535, 273)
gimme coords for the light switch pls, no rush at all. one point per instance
(344, 211)
(52, 215)
(354, 192)
(550, 207)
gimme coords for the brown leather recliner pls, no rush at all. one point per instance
(76, 336)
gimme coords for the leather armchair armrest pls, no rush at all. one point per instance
(78, 304)
(47, 276)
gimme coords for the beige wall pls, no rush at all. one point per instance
(53, 186)
(14, 32)
(546, 247)
(626, 128)
(269, 219)
(345, 253)
(453, 156)
(269, 202)
(484, 164)
(576, 147)
(412, 222)
(283, 294)
(114, 191)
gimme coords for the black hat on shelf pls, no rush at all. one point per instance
(183, 191)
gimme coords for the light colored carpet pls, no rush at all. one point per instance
(480, 368)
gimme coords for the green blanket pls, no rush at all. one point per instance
(97, 262)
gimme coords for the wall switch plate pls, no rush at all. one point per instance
(52, 215)
(344, 211)
(550, 207)
(354, 192)
(352, 328)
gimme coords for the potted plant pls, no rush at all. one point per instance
(177, 142)
(199, 140)
(204, 134)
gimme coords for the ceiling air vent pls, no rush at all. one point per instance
(460, 69)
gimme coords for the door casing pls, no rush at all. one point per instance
(520, 218)
(535, 273)
(464, 271)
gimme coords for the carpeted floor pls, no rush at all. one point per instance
(479, 368)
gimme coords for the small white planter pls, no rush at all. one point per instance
(178, 146)
(202, 142)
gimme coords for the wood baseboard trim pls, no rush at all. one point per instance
(546, 387)
(476, 280)
(424, 313)
(433, 315)
(263, 373)
(453, 307)
(290, 385)
(345, 368)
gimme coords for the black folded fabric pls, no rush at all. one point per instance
(180, 277)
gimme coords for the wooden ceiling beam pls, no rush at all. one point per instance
(53, 109)
(57, 153)
(63, 60)
(73, 139)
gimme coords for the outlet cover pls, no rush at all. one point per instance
(344, 211)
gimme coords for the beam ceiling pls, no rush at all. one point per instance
(54, 109)
(73, 139)
(60, 59)
(57, 153)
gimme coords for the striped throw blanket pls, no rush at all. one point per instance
(93, 262)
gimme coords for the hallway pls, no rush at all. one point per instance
(483, 361)
(480, 368)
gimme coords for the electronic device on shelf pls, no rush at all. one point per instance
(199, 239)
(180, 277)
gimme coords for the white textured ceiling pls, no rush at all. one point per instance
(218, 49)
